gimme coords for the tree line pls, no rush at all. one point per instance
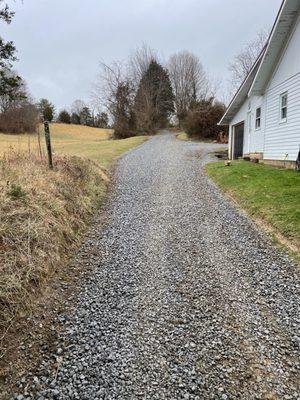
(17, 112)
(143, 95)
(80, 114)
(136, 96)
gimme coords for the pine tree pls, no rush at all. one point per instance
(46, 109)
(7, 49)
(10, 83)
(102, 120)
(86, 116)
(64, 117)
(154, 101)
(122, 111)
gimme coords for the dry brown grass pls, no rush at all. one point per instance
(63, 136)
(43, 215)
(93, 143)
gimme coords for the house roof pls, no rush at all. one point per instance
(257, 79)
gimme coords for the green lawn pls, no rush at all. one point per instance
(103, 152)
(267, 193)
(183, 136)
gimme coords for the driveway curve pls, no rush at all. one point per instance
(188, 299)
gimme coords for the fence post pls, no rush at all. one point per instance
(48, 144)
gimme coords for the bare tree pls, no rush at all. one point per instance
(189, 80)
(77, 106)
(245, 59)
(106, 85)
(77, 109)
(139, 62)
(115, 91)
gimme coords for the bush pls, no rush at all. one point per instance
(124, 127)
(16, 192)
(19, 119)
(64, 117)
(201, 122)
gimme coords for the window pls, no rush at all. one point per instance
(283, 107)
(258, 118)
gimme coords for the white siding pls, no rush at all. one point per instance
(278, 141)
(253, 139)
(289, 63)
(240, 116)
(256, 136)
(282, 140)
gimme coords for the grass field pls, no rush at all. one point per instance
(83, 141)
(268, 194)
(183, 136)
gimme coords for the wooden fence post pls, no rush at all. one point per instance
(48, 144)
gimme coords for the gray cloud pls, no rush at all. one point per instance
(60, 42)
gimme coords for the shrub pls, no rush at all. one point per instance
(122, 111)
(16, 192)
(201, 122)
(64, 117)
(124, 127)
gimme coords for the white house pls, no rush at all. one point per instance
(264, 115)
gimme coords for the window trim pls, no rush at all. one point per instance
(281, 96)
(257, 128)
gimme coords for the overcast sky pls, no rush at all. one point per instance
(60, 42)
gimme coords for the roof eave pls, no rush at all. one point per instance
(241, 94)
(288, 13)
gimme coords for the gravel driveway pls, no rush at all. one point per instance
(188, 299)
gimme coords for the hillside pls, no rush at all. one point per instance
(62, 136)
(92, 143)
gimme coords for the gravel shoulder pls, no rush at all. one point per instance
(188, 300)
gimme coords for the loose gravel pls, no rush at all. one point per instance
(188, 300)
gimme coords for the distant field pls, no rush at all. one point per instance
(182, 136)
(61, 135)
(92, 143)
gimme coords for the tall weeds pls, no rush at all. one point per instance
(43, 214)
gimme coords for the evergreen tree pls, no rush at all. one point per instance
(7, 49)
(101, 120)
(64, 117)
(86, 116)
(121, 109)
(46, 109)
(10, 83)
(154, 101)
